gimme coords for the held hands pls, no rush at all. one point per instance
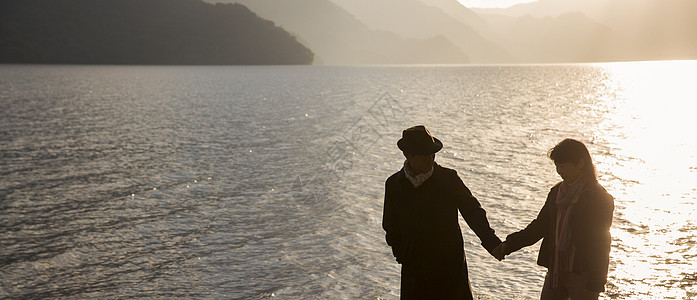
(500, 251)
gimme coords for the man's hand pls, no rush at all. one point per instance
(499, 251)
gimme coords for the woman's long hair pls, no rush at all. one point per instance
(573, 151)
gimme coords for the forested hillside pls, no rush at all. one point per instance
(142, 32)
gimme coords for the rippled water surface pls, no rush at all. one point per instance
(267, 182)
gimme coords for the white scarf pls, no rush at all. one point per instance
(416, 179)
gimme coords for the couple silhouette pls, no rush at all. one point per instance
(420, 218)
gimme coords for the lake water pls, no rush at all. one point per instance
(267, 182)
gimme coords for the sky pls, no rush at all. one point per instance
(492, 3)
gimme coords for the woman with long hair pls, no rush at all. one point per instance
(574, 225)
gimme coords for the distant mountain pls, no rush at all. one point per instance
(545, 8)
(635, 29)
(571, 37)
(473, 20)
(650, 29)
(141, 32)
(417, 19)
(337, 37)
(459, 12)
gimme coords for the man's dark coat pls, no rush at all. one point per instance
(421, 226)
(590, 224)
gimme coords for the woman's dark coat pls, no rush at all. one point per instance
(421, 226)
(590, 233)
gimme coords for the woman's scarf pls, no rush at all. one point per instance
(567, 197)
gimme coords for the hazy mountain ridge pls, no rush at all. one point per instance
(424, 19)
(571, 37)
(633, 29)
(141, 32)
(542, 8)
(547, 31)
(464, 15)
(337, 37)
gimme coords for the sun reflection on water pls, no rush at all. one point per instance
(650, 166)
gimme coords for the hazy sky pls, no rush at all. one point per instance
(492, 3)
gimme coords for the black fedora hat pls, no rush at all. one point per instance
(417, 140)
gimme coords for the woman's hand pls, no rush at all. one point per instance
(500, 251)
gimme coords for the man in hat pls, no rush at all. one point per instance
(421, 221)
